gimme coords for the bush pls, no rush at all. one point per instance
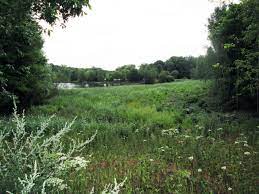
(165, 76)
(24, 72)
(32, 162)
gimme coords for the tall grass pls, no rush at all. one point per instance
(164, 138)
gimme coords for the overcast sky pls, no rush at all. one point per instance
(120, 32)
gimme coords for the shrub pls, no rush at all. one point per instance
(32, 162)
(165, 76)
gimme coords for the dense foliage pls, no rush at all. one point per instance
(233, 31)
(24, 73)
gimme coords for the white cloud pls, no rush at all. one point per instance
(119, 32)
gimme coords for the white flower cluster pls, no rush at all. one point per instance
(76, 163)
(223, 167)
(54, 182)
(191, 158)
(241, 141)
(170, 132)
(114, 189)
(163, 148)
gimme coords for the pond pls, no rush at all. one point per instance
(77, 85)
(68, 85)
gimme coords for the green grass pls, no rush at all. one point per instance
(130, 142)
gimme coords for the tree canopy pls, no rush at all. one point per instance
(233, 31)
(24, 73)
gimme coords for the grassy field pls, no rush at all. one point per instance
(164, 138)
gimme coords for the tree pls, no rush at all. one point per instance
(21, 58)
(148, 73)
(160, 65)
(203, 65)
(21, 62)
(164, 76)
(128, 73)
(183, 65)
(233, 31)
(133, 75)
(175, 74)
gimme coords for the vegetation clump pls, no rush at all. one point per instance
(32, 161)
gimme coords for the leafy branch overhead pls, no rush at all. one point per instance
(48, 10)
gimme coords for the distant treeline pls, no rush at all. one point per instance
(157, 72)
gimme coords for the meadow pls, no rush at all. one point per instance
(162, 138)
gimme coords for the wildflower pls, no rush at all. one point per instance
(79, 162)
(220, 129)
(63, 158)
(247, 153)
(144, 140)
(212, 138)
(161, 149)
(56, 182)
(199, 170)
(170, 132)
(236, 142)
(190, 158)
(113, 188)
(230, 189)
(209, 130)
(198, 137)
(151, 160)
(76, 163)
(223, 167)
(245, 144)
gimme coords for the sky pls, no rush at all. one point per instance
(122, 32)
